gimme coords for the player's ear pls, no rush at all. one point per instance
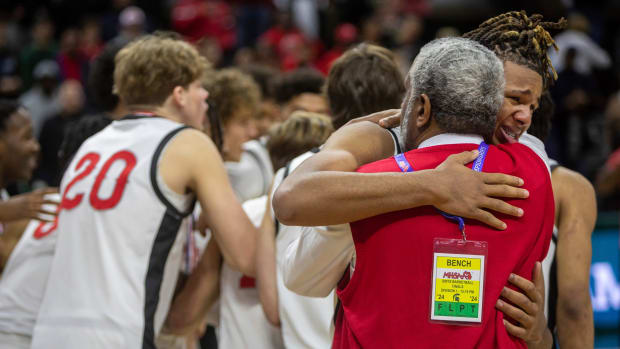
(422, 110)
(179, 95)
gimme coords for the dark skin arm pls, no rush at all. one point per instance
(28, 206)
(575, 218)
(345, 196)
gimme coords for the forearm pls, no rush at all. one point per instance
(575, 321)
(316, 260)
(334, 197)
(266, 280)
(7, 212)
(198, 294)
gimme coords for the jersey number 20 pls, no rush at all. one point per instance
(95, 201)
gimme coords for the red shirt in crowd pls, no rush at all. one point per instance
(386, 304)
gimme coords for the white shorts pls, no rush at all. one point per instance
(14, 341)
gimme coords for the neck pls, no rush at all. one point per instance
(164, 110)
(428, 132)
(119, 111)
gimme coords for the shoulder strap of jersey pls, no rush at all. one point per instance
(396, 141)
(287, 169)
(263, 170)
(153, 173)
(553, 164)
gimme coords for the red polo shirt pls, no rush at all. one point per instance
(386, 304)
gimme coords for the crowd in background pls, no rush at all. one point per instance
(46, 49)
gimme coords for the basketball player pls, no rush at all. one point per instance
(19, 150)
(26, 273)
(300, 89)
(518, 40)
(123, 200)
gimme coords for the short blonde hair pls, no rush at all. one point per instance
(301, 132)
(229, 90)
(148, 69)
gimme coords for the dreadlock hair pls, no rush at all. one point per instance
(515, 37)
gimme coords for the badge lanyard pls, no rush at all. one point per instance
(459, 267)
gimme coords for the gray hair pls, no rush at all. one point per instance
(464, 82)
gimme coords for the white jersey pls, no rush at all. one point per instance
(306, 321)
(119, 249)
(243, 323)
(251, 176)
(25, 276)
(547, 264)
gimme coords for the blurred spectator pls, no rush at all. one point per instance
(245, 56)
(407, 40)
(253, 19)
(300, 89)
(608, 179)
(101, 81)
(41, 99)
(575, 125)
(110, 20)
(41, 48)
(196, 19)
(305, 14)
(288, 42)
(211, 50)
(10, 82)
(132, 23)
(589, 53)
(91, 44)
(345, 35)
(71, 58)
(371, 30)
(71, 99)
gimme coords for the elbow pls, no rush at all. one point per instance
(578, 308)
(272, 316)
(295, 282)
(284, 205)
(246, 265)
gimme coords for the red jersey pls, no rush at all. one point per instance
(386, 304)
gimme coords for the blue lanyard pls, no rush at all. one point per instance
(405, 166)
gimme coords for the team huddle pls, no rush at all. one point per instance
(421, 213)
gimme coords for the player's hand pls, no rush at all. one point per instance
(461, 191)
(527, 309)
(386, 118)
(29, 206)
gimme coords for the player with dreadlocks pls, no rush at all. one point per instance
(521, 43)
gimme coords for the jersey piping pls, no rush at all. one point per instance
(164, 240)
